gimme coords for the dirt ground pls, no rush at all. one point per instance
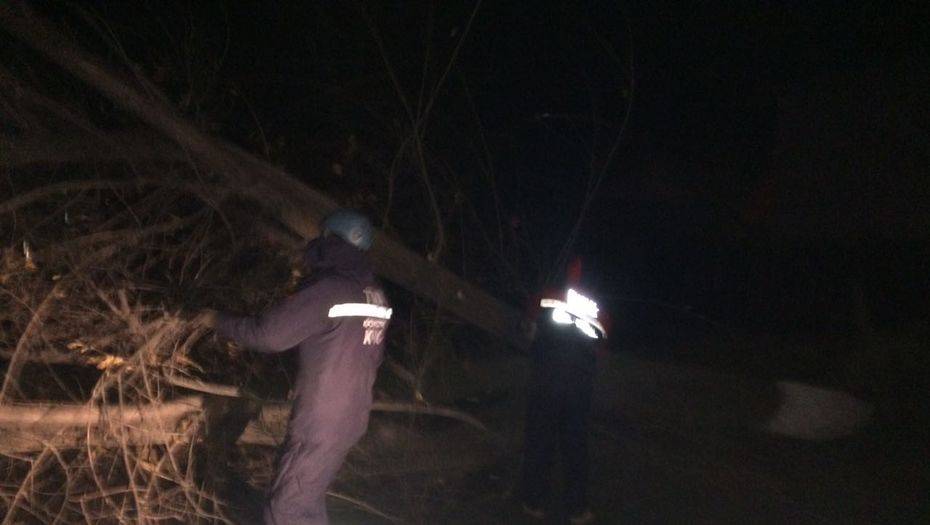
(440, 471)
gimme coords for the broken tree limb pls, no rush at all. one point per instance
(273, 409)
(269, 427)
(39, 417)
(49, 357)
(128, 147)
(428, 410)
(61, 114)
(296, 205)
(32, 427)
(37, 194)
(280, 189)
(206, 388)
(18, 356)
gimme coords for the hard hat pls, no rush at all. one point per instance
(351, 226)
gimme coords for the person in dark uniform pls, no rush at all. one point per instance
(568, 334)
(337, 322)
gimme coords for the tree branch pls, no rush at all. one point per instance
(296, 205)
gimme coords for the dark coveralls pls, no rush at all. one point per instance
(558, 407)
(338, 359)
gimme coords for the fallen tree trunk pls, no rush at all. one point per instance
(35, 417)
(33, 427)
(296, 205)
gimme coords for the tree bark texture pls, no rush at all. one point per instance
(32, 427)
(296, 205)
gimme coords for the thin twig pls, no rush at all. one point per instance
(362, 505)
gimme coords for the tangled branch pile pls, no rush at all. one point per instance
(102, 285)
(119, 221)
(104, 265)
(102, 345)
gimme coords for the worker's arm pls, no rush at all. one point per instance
(283, 326)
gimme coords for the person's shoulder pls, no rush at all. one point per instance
(348, 286)
(324, 284)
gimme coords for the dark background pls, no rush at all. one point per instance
(758, 170)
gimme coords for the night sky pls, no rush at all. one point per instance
(770, 169)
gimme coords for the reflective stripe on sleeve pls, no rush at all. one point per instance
(360, 310)
(563, 313)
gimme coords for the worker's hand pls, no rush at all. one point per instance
(208, 318)
(233, 350)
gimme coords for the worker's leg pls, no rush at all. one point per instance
(329, 416)
(298, 494)
(539, 446)
(573, 435)
(314, 454)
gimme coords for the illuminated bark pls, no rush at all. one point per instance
(296, 205)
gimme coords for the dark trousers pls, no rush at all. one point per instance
(298, 493)
(558, 410)
(323, 428)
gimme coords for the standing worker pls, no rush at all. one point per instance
(567, 335)
(337, 321)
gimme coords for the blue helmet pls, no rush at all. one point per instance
(351, 226)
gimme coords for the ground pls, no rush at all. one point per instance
(440, 471)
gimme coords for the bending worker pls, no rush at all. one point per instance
(568, 333)
(337, 320)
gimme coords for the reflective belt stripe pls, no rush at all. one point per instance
(360, 310)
